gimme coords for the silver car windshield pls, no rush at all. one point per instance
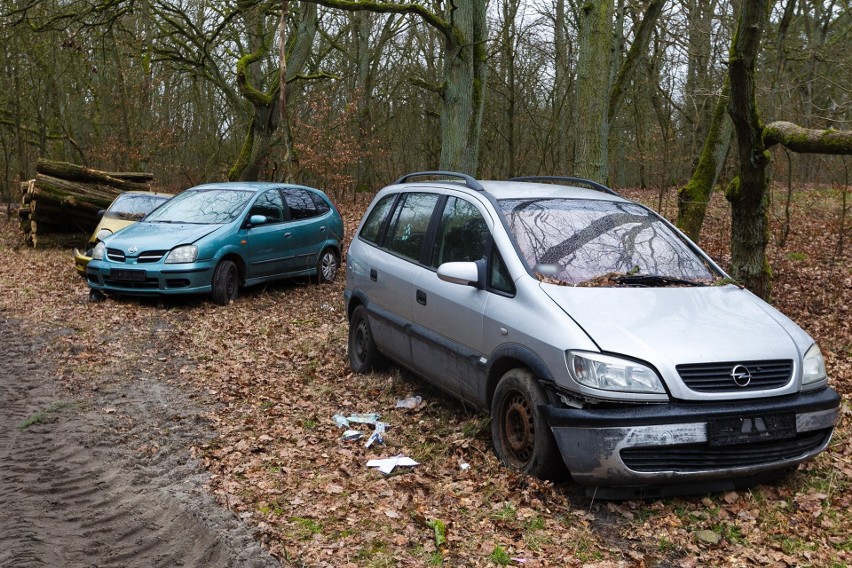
(602, 243)
(202, 206)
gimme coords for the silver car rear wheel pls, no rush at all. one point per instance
(364, 356)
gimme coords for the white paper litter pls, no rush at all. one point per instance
(387, 465)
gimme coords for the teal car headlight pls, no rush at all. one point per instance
(182, 254)
(612, 373)
(98, 251)
(813, 366)
(102, 234)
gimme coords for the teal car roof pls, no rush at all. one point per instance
(253, 186)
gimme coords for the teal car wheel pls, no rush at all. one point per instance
(225, 283)
(327, 266)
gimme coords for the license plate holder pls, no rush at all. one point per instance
(748, 429)
(127, 275)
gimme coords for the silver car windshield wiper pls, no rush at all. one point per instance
(654, 280)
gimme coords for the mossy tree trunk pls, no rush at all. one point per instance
(748, 193)
(465, 30)
(692, 199)
(593, 78)
(594, 111)
(463, 93)
(265, 104)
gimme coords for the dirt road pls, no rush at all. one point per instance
(105, 479)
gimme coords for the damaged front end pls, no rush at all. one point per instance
(650, 450)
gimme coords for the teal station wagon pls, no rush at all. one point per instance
(219, 237)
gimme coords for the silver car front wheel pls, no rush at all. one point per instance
(522, 439)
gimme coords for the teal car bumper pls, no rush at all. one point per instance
(136, 280)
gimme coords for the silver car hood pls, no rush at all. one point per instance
(671, 326)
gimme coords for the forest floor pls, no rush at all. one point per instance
(158, 433)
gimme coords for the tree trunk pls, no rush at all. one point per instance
(692, 199)
(125, 181)
(265, 104)
(748, 193)
(464, 88)
(593, 72)
(561, 90)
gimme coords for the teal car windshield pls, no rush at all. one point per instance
(202, 207)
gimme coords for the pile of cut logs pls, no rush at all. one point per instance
(66, 198)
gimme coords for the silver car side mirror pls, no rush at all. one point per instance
(464, 273)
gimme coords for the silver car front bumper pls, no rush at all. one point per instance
(691, 443)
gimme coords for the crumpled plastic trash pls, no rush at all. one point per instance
(387, 465)
(340, 420)
(411, 402)
(351, 435)
(377, 435)
(370, 418)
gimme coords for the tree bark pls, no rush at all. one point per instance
(125, 181)
(265, 104)
(463, 94)
(748, 193)
(693, 198)
(593, 71)
(807, 140)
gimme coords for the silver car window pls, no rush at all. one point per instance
(462, 234)
(577, 241)
(410, 224)
(373, 224)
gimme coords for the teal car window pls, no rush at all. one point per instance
(202, 207)
(270, 205)
(300, 203)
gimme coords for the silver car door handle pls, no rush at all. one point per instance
(421, 297)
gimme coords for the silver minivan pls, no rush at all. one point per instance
(602, 341)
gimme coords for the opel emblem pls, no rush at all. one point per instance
(741, 375)
(131, 250)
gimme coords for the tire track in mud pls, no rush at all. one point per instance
(106, 480)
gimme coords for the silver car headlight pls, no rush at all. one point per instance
(102, 234)
(98, 251)
(612, 373)
(182, 254)
(813, 366)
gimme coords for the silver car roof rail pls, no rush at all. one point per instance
(555, 179)
(469, 181)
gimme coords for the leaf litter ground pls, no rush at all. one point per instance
(265, 375)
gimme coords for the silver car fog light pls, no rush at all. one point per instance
(612, 373)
